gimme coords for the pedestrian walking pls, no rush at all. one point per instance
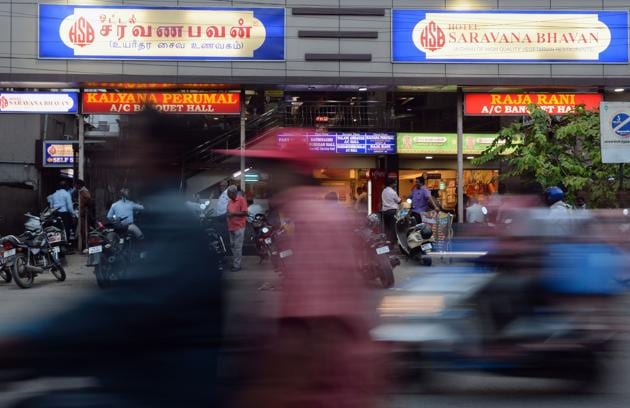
(86, 209)
(236, 222)
(61, 202)
(390, 202)
(421, 199)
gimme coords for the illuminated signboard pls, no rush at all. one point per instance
(162, 33)
(57, 153)
(510, 36)
(38, 102)
(483, 104)
(173, 102)
(441, 143)
(346, 142)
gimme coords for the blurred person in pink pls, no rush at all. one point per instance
(323, 355)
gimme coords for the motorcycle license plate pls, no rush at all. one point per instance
(53, 238)
(95, 249)
(122, 240)
(268, 241)
(56, 250)
(427, 247)
(9, 253)
(286, 254)
(382, 250)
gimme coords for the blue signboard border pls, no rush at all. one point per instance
(73, 95)
(51, 30)
(46, 143)
(620, 30)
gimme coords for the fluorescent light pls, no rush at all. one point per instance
(470, 157)
(428, 157)
(363, 89)
(619, 90)
(238, 173)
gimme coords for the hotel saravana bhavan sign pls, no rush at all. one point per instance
(161, 33)
(506, 36)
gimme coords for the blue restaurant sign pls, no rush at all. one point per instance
(58, 153)
(346, 142)
(161, 33)
(39, 102)
(507, 36)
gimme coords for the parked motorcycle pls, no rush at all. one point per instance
(374, 254)
(110, 252)
(216, 243)
(7, 255)
(35, 254)
(415, 240)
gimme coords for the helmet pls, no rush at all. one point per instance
(553, 195)
(373, 220)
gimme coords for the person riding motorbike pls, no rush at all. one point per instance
(61, 202)
(422, 200)
(123, 210)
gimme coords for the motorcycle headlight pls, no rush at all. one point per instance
(265, 230)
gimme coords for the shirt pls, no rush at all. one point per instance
(222, 203)
(61, 200)
(474, 214)
(124, 209)
(420, 199)
(237, 205)
(389, 199)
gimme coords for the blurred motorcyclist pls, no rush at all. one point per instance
(554, 196)
(123, 210)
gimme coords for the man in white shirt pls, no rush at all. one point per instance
(389, 206)
(223, 199)
(474, 213)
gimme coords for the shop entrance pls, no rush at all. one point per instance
(478, 183)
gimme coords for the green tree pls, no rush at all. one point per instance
(557, 151)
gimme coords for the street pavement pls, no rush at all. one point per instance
(248, 307)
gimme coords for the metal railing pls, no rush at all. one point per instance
(342, 115)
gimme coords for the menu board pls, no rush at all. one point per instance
(346, 142)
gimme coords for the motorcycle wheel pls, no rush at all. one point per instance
(102, 275)
(58, 272)
(22, 276)
(427, 261)
(5, 274)
(386, 274)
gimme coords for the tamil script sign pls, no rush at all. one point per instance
(509, 36)
(58, 153)
(498, 104)
(38, 102)
(347, 142)
(442, 143)
(174, 102)
(615, 129)
(126, 32)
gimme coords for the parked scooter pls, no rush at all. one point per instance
(374, 254)
(35, 255)
(415, 240)
(7, 256)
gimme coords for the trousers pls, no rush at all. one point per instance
(236, 238)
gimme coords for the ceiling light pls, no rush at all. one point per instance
(619, 90)
(428, 157)
(363, 89)
(470, 157)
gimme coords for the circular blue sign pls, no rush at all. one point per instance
(621, 124)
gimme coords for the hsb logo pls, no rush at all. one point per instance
(432, 37)
(4, 103)
(81, 33)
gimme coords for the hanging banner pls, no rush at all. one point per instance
(442, 143)
(58, 153)
(38, 102)
(483, 104)
(133, 102)
(615, 129)
(163, 33)
(502, 36)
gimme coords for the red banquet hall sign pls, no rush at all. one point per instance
(168, 102)
(500, 104)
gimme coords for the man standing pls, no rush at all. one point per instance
(61, 202)
(361, 202)
(421, 199)
(85, 211)
(222, 202)
(390, 201)
(474, 213)
(237, 221)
